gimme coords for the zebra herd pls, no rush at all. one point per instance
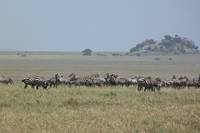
(142, 83)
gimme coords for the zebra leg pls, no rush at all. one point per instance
(25, 86)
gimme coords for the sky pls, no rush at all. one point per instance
(101, 25)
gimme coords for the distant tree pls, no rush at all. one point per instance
(177, 39)
(87, 52)
(149, 49)
(133, 49)
(149, 41)
(168, 37)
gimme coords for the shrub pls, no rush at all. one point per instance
(87, 52)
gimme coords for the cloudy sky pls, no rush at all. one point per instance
(102, 25)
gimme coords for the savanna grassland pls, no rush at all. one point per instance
(47, 64)
(107, 109)
(98, 110)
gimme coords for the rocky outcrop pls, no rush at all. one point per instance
(168, 45)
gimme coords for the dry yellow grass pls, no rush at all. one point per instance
(98, 110)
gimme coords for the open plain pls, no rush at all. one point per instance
(97, 109)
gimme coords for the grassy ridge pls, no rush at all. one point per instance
(98, 110)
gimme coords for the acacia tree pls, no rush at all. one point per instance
(87, 52)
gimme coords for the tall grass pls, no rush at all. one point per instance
(98, 110)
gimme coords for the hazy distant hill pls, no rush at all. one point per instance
(168, 45)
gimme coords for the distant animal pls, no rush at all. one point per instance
(6, 80)
(141, 84)
(132, 81)
(54, 81)
(35, 82)
(147, 84)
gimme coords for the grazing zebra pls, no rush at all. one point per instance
(6, 80)
(35, 82)
(147, 84)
